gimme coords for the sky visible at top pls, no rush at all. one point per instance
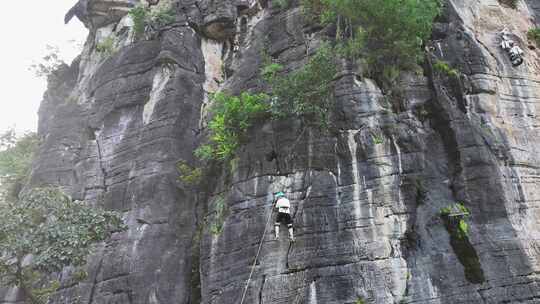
(26, 28)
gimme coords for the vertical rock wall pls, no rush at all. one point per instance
(366, 198)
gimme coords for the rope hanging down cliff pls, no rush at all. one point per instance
(257, 256)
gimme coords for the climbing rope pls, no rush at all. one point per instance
(257, 256)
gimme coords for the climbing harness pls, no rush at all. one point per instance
(257, 256)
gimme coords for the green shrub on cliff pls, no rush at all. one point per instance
(139, 15)
(219, 214)
(49, 64)
(306, 93)
(534, 35)
(16, 154)
(232, 116)
(190, 176)
(383, 33)
(143, 17)
(107, 45)
(444, 68)
(454, 217)
(46, 225)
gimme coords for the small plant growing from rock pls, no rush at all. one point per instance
(162, 14)
(106, 46)
(445, 69)
(145, 18)
(220, 210)
(189, 175)
(80, 275)
(510, 3)
(139, 15)
(49, 64)
(283, 4)
(534, 35)
(377, 138)
(454, 218)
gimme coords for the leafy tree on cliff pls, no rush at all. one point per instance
(16, 156)
(42, 230)
(386, 33)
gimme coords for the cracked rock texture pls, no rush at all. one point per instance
(366, 198)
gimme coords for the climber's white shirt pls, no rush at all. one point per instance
(283, 205)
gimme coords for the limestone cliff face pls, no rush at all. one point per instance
(366, 199)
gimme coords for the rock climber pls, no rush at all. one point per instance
(514, 51)
(283, 205)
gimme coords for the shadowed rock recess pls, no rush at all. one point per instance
(366, 198)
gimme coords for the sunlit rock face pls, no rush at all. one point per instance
(366, 198)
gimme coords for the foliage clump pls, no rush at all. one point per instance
(377, 138)
(106, 46)
(49, 64)
(16, 154)
(534, 35)
(220, 212)
(44, 224)
(510, 3)
(145, 18)
(306, 93)
(55, 231)
(444, 68)
(454, 216)
(283, 4)
(360, 301)
(232, 116)
(383, 33)
(139, 15)
(189, 175)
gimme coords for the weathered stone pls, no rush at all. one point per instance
(366, 198)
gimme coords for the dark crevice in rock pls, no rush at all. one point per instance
(101, 165)
(262, 289)
(288, 252)
(464, 251)
(220, 29)
(95, 282)
(195, 280)
(442, 124)
(442, 113)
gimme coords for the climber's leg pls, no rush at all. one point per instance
(291, 233)
(276, 230)
(289, 222)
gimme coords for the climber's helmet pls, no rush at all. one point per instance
(280, 194)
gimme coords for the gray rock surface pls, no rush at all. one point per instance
(366, 211)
